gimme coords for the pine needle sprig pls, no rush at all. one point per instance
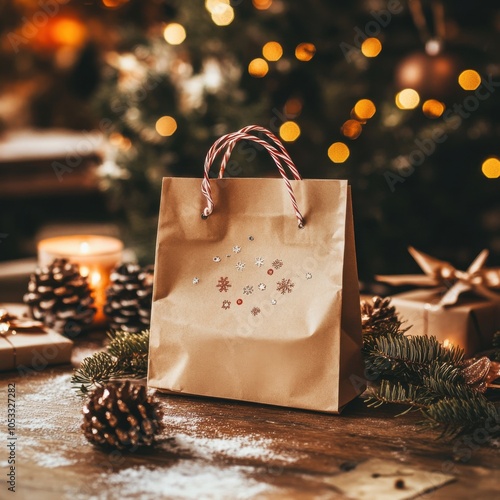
(126, 356)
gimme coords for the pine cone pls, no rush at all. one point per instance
(377, 314)
(61, 297)
(122, 415)
(128, 304)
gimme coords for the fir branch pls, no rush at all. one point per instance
(395, 392)
(126, 357)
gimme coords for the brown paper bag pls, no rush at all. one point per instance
(256, 299)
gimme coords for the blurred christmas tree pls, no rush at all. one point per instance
(366, 90)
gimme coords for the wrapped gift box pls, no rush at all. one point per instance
(32, 351)
(470, 323)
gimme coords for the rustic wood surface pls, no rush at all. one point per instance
(219, 449)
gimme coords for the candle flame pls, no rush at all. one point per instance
(84, 247)
(95, 277)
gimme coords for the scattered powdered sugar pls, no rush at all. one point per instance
(186, 480)
(53, 460)
(237, 447)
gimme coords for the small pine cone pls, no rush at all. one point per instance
(128, 298)
(122, 415)
(376, 313)
(61, 297)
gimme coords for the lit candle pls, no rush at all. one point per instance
(96, 256)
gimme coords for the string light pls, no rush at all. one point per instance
(174, 33)
(338, 152)
(433, 108)
(166, 126)
(272, 51)
(305, 51)
(364, 109)
(211, 5)
(407, 99)
(491, 168)
(371, 47)
(222, 14)
(289, 131)
(351, 129)
(258, 68)
(469, 79)
(262, 4)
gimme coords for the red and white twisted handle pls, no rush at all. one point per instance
(229, 141)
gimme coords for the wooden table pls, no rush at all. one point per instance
(219, 449)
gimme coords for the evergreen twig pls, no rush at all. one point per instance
(126, 356)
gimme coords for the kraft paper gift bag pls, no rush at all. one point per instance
(256, 293)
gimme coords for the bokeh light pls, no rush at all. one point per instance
(211, 5)
(114, 4)
(69, 32)
(433, 108)
(289, 131)
(262, 4)
(338, 152)
(469, 79)
(222, 14)
(364, 109)
(272, 51)
(174, 33)
(371, 47)
(407, 99)
(293, 107)
(351, 129)
(166, 126)
(305, 51)
(258, 68)
(491, 168)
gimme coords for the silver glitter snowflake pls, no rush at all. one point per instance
(274, 302)
(261, 287)
(196, 281)
(240, 266)
(236, 249)
(308, 276)
(259, 261)
(285, 286)
(248, 290)
(226, 304)
(223, 284)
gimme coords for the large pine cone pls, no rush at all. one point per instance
(61, 297)
(122, 415)
(128, 298)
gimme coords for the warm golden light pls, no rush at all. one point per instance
(469, 79)
(491, 168)
(166, 126)
(84, 247)
(67, 31)
(174, 33)
(258, 68)
(364, 109)
(84, 271)
(223, 14)
(371, 47)
(338, 152)
(272, 51)
(95, 277)
(293, 107)
(211, 5)
(262, 4)
(407, 99)
(446, 343)
(289, 131)
(351, 129)
(433, 108)
(113, 4)
(305, 51)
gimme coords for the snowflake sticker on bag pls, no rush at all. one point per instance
(248, 290)
(223, 284)
(285, 286)
(308, 276)
(277, 263)
(226, 304)
(236, 249)
(261, 287)
(255, 311)
(240, 266)
(259, 261)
